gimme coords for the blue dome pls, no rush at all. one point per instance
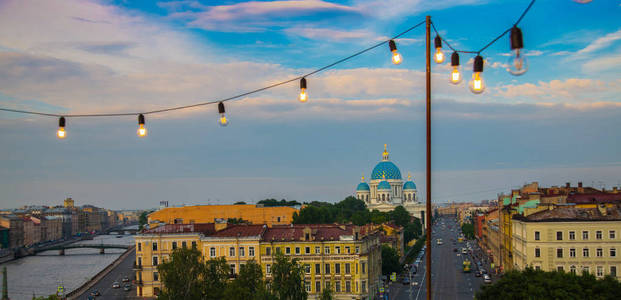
(363, 186)
(409, 185)
(384, 185)
(386, 168)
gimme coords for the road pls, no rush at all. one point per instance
(104, 286)
(448, 281)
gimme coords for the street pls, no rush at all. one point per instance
(104, 286)
(448, 280)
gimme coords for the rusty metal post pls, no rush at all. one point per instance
(428, 171)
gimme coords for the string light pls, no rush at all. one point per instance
(142, 131)
(517, 64)
(303, 96)
(61, 134)
(477, 85)
(223, 121)
(396, 57)
(455, 77)
(438, 56)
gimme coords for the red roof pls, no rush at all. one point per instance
(593, 198)
(240, 230)
(206, 228)
(318, 232)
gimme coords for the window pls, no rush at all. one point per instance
(307, 250)
(241, 251)
(613, 252)
(357, 249)
(174, 245)
(337, 268)
(287, 250)
(585, 269)
(572, 269)
(572, 252)
(317, 269)
(139, 261)
(559, 268)
(364, 268)
(193, 244)
(317, 250)
(307, 268)
(537, 252)
(347, 268)
(598, 234)
(327, 285)
(613, 271)
(537, 268)
(139, 246)
(364, 286)
(268, 251)
(278, 250)
(585, 235)
(326, 250)
(307, 287)
(250, 251)
(348, 286)
(317, 286)
(155, 260)
(347, 250)
(184, 244)
(600, 252)
(337, 249)
(537, 237)
(297, 250)
(232, 269)
(559, 253)
(327, 269)
(212, 252)
(156, 276)
(337, 286)
(268, 269)
(154, 246)
(572, 235)
(600, 271)
(232, 251)
(612, 234)
(585, 252)
(559, 235)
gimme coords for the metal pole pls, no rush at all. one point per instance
(428, 174)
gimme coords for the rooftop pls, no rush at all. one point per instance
(593, 198)
(242, 230)
(573, 214)
(205, 228)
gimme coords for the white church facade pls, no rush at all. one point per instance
(386, 189)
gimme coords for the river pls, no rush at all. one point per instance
(43, 273)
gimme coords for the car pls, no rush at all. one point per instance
(127, 287)
(95, 293)
(116, 285)
(487, 279)
(90, 297)
(454, 249)
(125, 279)
(406, 281)
(477, 273)
(483, 271)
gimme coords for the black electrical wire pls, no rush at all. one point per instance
(235, 97)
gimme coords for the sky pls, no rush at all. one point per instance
(557, 123)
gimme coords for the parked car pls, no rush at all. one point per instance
(95, 293)
(477, 273)
(116, 285)
(406, 280)
(483, 271)
(454, 249)
(487, 279)
(125, 279)
(127, 287)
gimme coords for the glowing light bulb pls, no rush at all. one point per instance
(142, 131)
(303, 96)
(517, 63)
(61, 134)
(396, 57)
(223, 121)
(455, 77)
(477, 85)
(438, 57)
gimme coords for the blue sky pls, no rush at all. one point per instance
(557, 123)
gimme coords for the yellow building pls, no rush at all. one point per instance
(569, 238)
(255, 214)
(345, 258)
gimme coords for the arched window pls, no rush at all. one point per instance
(383, 197)
(572, 269)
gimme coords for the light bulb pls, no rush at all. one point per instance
(223, 121)
(455, 75)
(396, 57)
(517, 63)
(477, 85)
(439, 56)
(303, 96)
(142, 131)
(61, 133)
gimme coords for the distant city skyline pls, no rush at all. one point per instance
(557, 123)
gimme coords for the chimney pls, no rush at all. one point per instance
(614, 189)
(580, 184)
(602, 209)
(567, 185)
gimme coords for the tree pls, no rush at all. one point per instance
(239, 203)
(390, 260)
(400, 216)
(378, 217)
(326, 294)
(413, 230)
(142, 220)
(249, 284)
(537, 284)
(217, 273)
(288, 279)
(468, 230)
(274, 202)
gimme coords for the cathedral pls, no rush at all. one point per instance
(386, 190)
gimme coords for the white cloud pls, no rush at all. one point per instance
(331, 34)
(600, 43)
(573, 90)
(606, 62)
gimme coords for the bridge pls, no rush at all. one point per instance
(61, 248)
(122, 229)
